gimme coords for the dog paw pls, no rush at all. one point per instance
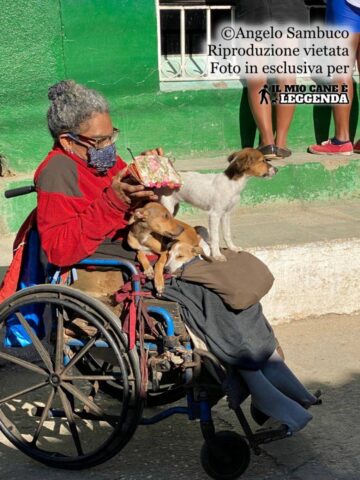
(149, 273)
(160, 290)
(236, 249)
(220, 258)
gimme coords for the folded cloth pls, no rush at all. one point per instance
(240, 338)
(240, 282)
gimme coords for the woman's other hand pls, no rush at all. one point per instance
(130, 193)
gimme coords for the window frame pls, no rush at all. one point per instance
(183, 56)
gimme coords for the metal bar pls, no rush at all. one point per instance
(182, 40)
(59, 356)
(105, 378)
(96, 262)
(158, 27)
(163, 415)
(170, 329)
(60, 413)
(71, 421)
(44, 416)
(83, 398)
(22, 392)
(36, 342)
(194, 7)
(89, 403)
(24, 363)
(247, 430)
(79, 355)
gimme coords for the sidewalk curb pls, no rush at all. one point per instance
(312, 279)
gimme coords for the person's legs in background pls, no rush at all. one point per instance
(262, 114)
(342, 15)
(284, 116)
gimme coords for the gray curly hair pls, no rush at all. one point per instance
(71, 105)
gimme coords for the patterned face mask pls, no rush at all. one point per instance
(102, 159)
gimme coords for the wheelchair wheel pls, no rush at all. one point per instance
(48, 409)
(226, 456)
(173, 392)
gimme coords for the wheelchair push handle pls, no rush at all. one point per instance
(16, 192)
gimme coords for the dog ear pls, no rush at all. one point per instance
(241, 161)
(140, 214)
(171, 243)
(232, 156)
(131, 220)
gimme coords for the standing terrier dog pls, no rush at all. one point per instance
(218, 193)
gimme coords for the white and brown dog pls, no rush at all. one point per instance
(218, 193)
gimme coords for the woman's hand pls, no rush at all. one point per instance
(130, 194)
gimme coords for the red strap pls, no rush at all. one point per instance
(129, 297)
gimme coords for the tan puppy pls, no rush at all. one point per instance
(181, 253)
(151, 227)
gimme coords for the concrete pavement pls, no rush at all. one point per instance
(323, 352)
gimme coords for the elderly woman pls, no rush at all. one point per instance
(83, 207)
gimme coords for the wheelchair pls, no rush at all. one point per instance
(83, 375)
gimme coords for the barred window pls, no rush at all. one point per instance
(185, 30)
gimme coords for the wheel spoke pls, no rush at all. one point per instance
(24, 363)
(80, 354)
(44, 416)
(71, 421)
(83, 398)
(59, 357)
(36, 342)
(105, 378)
(90, 404)
(22, 392)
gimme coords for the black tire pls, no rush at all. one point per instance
(99, 425)
(226, 456)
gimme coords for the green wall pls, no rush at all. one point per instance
(111, 45)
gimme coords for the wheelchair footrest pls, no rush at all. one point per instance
(270, 435)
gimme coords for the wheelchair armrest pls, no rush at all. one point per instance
(121, 265)
(107, 262)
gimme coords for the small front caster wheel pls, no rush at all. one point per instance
(226, 456)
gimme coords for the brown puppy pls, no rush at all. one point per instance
(151, 228)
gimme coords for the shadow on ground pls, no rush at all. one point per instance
(326, 449)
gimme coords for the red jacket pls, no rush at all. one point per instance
(77, 208)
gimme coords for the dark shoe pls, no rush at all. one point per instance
(357, 147)
(317, 401)
(283, 152)
(269, 151)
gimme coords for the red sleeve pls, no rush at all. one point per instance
(70, 227)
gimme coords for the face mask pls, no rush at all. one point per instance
(102, 159)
